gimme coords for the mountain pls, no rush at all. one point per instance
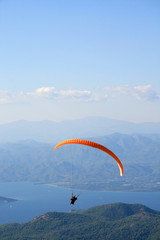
(49, 131)
(113, 221)
(85, 167)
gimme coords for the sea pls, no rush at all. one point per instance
(36, 199)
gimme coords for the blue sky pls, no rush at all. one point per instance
(69, 59)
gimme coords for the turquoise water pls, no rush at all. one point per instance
(36, 199)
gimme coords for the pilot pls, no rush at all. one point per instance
(73, 199)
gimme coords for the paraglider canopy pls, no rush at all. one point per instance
(94, 145)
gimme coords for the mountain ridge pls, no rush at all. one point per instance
(93, 169)
(121, 221)
(49, 131)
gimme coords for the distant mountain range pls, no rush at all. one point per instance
(49, 131)
(112, 221)
(85, 167)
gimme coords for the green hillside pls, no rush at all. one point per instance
(113, 221)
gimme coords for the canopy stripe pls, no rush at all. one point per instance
(94, 145)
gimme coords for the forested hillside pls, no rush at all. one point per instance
(113, 221)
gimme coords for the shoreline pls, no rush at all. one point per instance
(91, 190)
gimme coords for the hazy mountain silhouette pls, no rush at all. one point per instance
(49, 131)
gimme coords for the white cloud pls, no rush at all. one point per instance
(44, 92)
(52, 94)
(4, 96)
(140, 92)
(74, 93)
(48, 93)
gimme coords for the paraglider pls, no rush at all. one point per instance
(73, 199)
(94, 145)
